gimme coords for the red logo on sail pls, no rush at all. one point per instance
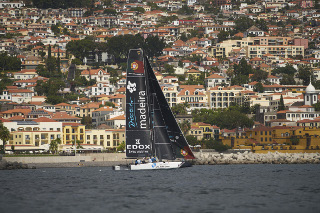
(134, 66)
(137, 66)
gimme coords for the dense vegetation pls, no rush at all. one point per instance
(45, 4)
(117, 46)
(230, 118)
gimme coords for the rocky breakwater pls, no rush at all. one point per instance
(4, 165)
(207, 158)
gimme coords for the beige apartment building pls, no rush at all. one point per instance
(171, 93)
(222, 97)
(281, 51)
(258, 46)
(108, 139)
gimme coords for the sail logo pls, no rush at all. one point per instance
(134, 65)
(132, 87)
(138, 145)
(132, 114)
(184, 153)
(142, 109)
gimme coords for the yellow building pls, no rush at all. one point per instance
(279, 138)
(207, 129)
(30, 139)
(73, 132)
(196, 131)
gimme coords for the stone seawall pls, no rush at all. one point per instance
(202, 158)
(210, 158)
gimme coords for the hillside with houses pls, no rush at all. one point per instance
(237, 74)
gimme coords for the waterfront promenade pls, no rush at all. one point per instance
(202, 158)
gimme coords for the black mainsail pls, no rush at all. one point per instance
(180, 145)
(138, 134)
(151, 128)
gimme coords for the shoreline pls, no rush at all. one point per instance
(202, 158)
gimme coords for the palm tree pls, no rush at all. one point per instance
(4, 136)
(185, 126)
(79, 144)
(54, 145)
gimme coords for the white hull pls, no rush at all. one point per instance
(156, 165)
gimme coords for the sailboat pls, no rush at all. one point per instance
(151, 128)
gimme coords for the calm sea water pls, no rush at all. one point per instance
(222, 188)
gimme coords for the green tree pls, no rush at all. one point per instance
(259, 75)
(305, 74)
(9, 63)
(192, 140)
(153, 46)
(288, 69)
(56, 29)
(81, 48)
(4, 136)
(183, 37)
(219, 146)
(169, 69)
(185, 126)
(185, 10)
(79, 144)
(261, 24)
(243, 23)
(121, 147)
(241, 72)
(287, 80)
(87, 121)
(56, 4)
(49, 51)
(54, 145)
(316, 106)
(231, 119)
(4, 82)
(223, 35)
(281, 104)
(180, 109)
(109, 11)
(258, 87)
(153, 6)
(76, 61)
(138, 9)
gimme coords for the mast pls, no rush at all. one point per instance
(138, 130)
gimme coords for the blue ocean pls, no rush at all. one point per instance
(219, 188)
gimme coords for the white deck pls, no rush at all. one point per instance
(156, 165)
